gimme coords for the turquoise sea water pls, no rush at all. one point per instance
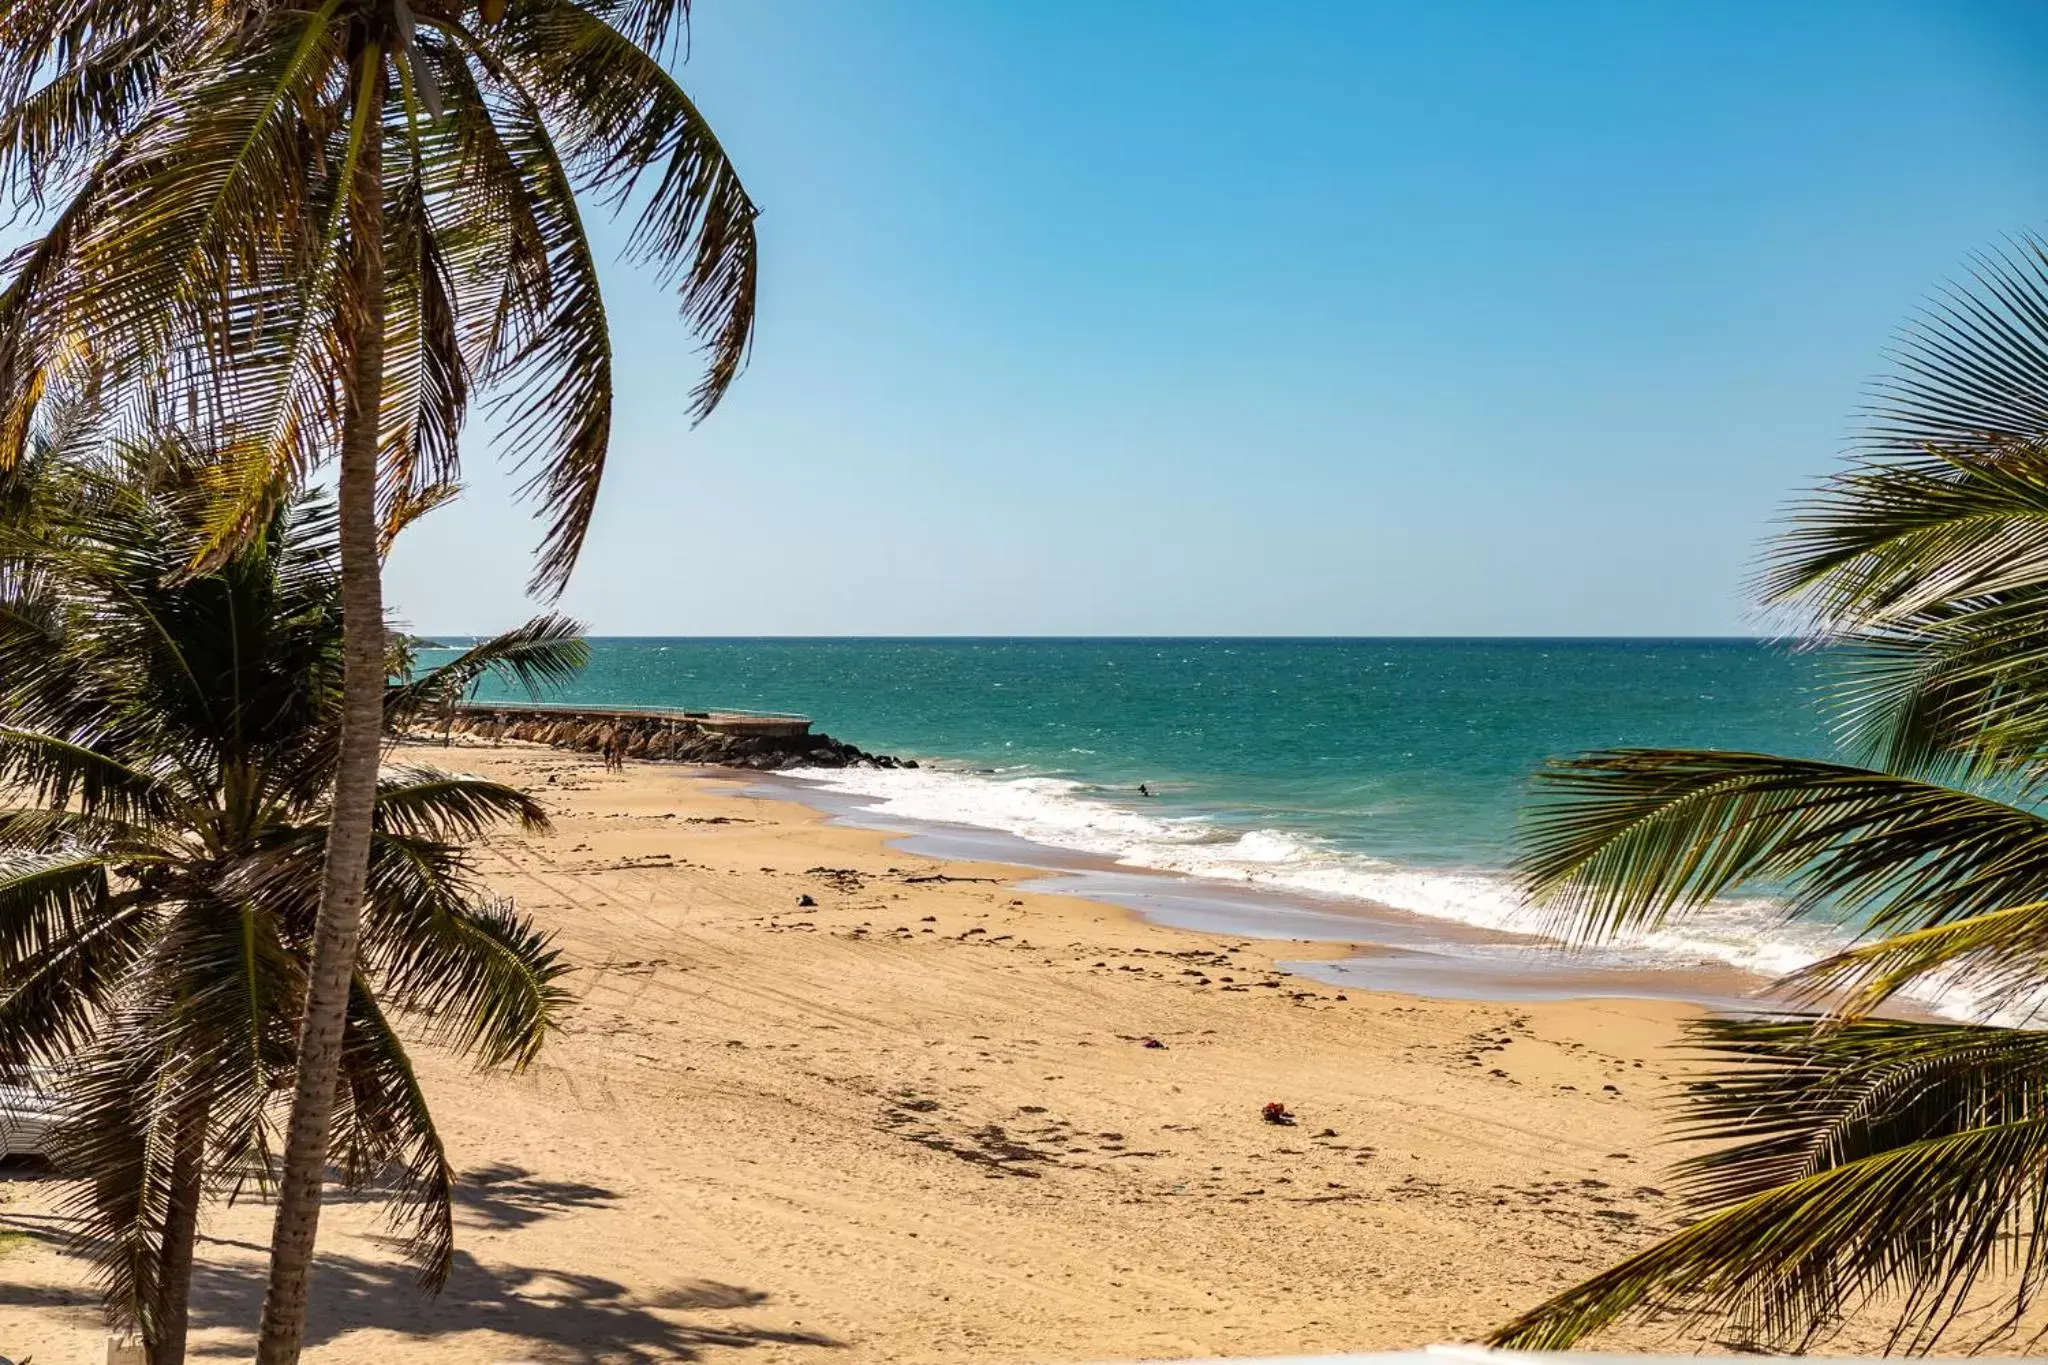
(1381, 771)
(1413, 750)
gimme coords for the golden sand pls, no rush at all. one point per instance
(922, 1122)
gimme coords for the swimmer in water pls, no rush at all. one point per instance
(1144, 790)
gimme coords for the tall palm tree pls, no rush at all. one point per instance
(167, 743)
(1861, 1162)
(317, 226)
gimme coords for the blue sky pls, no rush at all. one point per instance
(1175, 317)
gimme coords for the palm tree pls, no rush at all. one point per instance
(314, 226)
(1860, 1161)
(169, 742)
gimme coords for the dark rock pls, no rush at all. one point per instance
(662, 738)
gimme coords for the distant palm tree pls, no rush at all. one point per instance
(167, 746)
(1862, 1162)
(314, 226)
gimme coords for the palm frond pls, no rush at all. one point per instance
(54, 998)
(619, 116)
(1888, 542)
(1880, 1161)
(1929, 575)
(430, 804)
(1852, 1164)
(33, 829)
(1620, 839)
(1971, 376)
(492, 243)
(34, 355)
(282, 379)
(206, 188)
(40, 37)
(426, 383)
(220, 984)
(384, 1131)
(47, 900)
(173, 281)
(414, 503)
(1949, 698)
(544, 653)
(87, 103)
(114, 1143)
(59, 771)
(1998, 961)
(1781, 1098)
(658, 26)
(555, 390)
(485, 979)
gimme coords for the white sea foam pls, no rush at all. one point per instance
(1748, 933)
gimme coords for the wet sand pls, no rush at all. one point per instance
(925, 1120)
(1392, 949)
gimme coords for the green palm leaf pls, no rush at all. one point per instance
(55, 997)
(157, 903)
(619, 116)
(1889, 542)
(117, 1106)
(1931, 574)
(192, 215)
(426, 390)
(47, 900)
(214, 268)
(2000, 958)
(486, 979)
(561, 424)
(544, 653)
(1970, 378)
(1876, 1162)
(1620, 839)
(51, 134)
(1856, 1165)
(384, 1130)
(429, 804)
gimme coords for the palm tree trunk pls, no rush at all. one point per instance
(355, 776)
(181, 1232)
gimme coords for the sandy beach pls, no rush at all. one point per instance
(935, 1117)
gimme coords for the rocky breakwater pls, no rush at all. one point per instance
(708, 740)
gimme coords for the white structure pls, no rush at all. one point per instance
(26, 1119)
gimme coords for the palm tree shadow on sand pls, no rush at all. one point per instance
(556, 1316)
(552, 1315)
(501, 1196)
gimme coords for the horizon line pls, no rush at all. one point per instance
(1109, 638)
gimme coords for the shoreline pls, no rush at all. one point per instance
(922, 1120)
(1384, 948)
(1346, 777)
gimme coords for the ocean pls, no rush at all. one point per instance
(1384, 772)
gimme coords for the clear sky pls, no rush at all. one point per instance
(1176, 317)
